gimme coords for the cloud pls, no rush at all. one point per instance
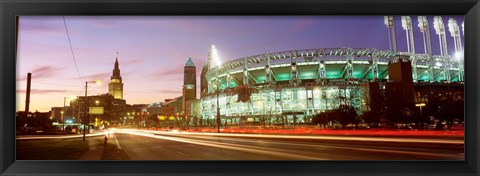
(42, 91)
(175, 72)
(170, 91)
(98, 76)
(42, 72)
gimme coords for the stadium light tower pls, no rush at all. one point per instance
(392, 38)
(457, 41)
(440, 30)
(213, 58)
(427, 44)
(425, 29)
(407, 26)
(214, 61)
(455, 33)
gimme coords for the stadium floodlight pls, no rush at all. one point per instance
(458, 56)
(422, 23)
(438, 25)
(406, 23)
(453, 27)
(214, 58)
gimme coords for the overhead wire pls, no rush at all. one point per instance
(71, 49)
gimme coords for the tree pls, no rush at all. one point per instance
(343, 114)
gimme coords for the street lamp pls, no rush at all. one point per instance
(420, 105)
(86, 104)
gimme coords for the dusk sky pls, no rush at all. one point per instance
(153, 50)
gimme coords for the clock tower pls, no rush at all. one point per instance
(189, 82)
(115, 87)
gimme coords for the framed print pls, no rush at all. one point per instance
(239, 88)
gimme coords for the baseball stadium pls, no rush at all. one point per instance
(297, 84)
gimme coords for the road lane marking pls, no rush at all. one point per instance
(118, 144)
(251, 149)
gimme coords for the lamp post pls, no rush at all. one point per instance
(420, 105)
(63, 113)
(86, 115)
(218, 108)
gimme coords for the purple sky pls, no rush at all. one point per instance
(154, 49)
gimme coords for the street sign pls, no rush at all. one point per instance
(95, 110)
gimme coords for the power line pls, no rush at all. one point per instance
(71, 49)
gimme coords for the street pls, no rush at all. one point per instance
(146, 145)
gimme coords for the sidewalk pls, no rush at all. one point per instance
(96, 149)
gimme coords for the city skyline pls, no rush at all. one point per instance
(153, 50)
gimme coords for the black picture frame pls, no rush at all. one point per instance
(9, 9)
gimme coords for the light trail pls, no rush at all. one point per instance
(59, 137)
(343, 138)
(253, 149)
(336, 147)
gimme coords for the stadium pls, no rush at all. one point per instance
(295, 85)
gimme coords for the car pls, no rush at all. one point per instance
(457, 127)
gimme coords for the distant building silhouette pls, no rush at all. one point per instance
(113, 109)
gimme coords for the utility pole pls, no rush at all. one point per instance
(85, 112)
(63, 114)
(218, 106)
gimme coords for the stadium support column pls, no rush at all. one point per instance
(374, 66)
(229, 79)
(427, 45)
(455, 33)
(268, 72)
(228, 98)
(349, 66)
(245, 74)
(293, 79)
(321, 68)
(407, 26)
(440, 30)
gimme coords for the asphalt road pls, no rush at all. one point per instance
(140, 145)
